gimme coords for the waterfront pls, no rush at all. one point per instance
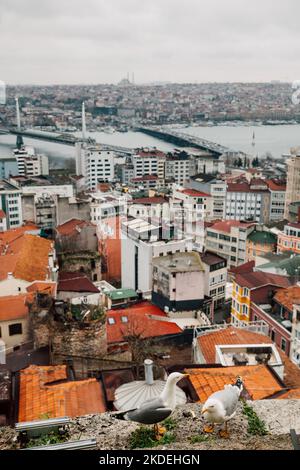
(276, 140)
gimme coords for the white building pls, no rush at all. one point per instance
(178, 282)
(141, 242)
(295, 336)
(277, 199)
(95, 164)
(215, 277)
(110, 204)
(31, 164)
(204, 162)
(177, 167)
(248, 201)
(11, 204)
(228, 239)
(149, 162)
(36, 165)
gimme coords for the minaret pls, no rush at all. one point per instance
(18, 114)
(83, 122)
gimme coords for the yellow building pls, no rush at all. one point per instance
(253, 287)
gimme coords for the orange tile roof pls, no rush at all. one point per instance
(26, 257)
(41, 395)
(13, 307)
(231, 335)
(258, 380)
(70, 227)
(288, 297)
(293, 394)
(43, 287)
(139, 323)
(2, 214)
(10, 235)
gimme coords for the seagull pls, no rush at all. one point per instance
(221, 406)
(157, 409)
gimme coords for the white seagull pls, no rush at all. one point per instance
(221, 406)
(157, 409)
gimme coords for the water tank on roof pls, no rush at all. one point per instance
(131, 395)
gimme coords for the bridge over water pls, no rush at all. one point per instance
(65, 139)
(183, 139)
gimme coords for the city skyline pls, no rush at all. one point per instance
(194, 42)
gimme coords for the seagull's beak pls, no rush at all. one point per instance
(203, 411)
(186, 375)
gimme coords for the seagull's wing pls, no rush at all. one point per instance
(229, 399)
(150, 412)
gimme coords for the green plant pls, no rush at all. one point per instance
(144, 437)
(51, 438)
(169, 424)
(256, 426)
(197, 439)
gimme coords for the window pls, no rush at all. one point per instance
(111, 321)
(283, 344)
(245, 292)
(124, 319)
(273, 336)
(15, 329)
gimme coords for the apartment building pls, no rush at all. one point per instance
(149, 162)
(289, 239)
(215, 187)
(29, 163)
(178, 282)
(228, 239)
(141, 242)
(11, 204)
(178, 167)
(95, 164)
(293, 181)
(277, 190)
(252, 287)
(215, 277)
(248, 201)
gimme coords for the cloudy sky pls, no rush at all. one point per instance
(99, 41)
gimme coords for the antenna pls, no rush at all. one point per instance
(18, 114)
(132, 78)
(83, 122)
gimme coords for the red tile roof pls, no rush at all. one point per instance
(226, 225)
(41, 397)
(75, 282)
(139, 323)
(72, 226)
(13, 307)
(26, 257)
(253, 280)
(288, 297)
(2, 214)
(146, 178)
(258, 380)
(194, 193)
(276, 185)
(231, 335)
(151, 153)
(243, 268)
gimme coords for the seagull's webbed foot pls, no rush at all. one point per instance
(224, 432)
(160, 431)
(209, 428)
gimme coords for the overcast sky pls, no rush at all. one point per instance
(99, 41)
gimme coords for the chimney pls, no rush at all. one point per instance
(148, 365)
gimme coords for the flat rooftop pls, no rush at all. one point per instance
(180, 262)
